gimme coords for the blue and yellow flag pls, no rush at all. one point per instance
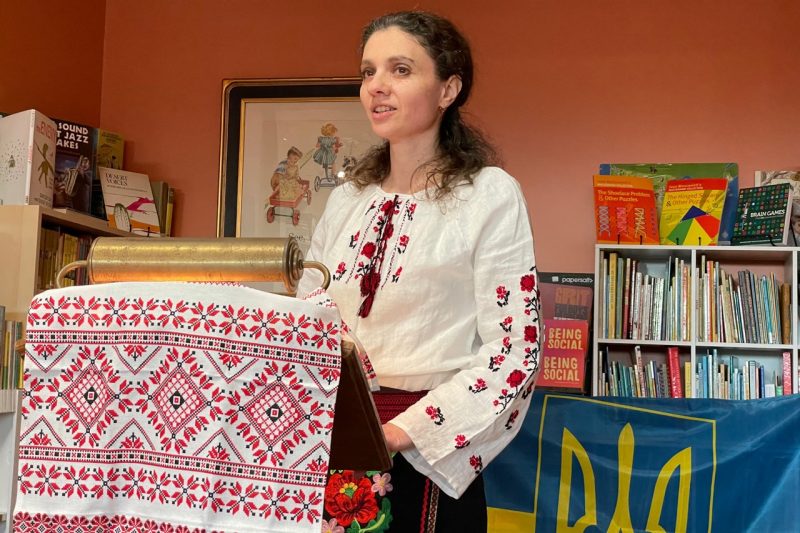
(627, 464)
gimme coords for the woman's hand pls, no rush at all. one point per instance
(397, 440)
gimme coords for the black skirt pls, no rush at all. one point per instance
(400, 500)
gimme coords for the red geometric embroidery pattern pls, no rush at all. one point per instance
(194, 415)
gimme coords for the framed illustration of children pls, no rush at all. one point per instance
(285, 145)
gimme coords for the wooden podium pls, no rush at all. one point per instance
(357, 441)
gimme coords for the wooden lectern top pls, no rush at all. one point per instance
(357, 441)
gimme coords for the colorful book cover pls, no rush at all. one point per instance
(792, 177)
(27, 159)
(109, 151)
(566, 295)
(692, 211)
(74, 173)
(625, 210)
(661, 173)
(764, 215)
(129, 202)
(564, 351)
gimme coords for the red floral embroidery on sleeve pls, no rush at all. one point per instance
(436, 414)
(502, 296)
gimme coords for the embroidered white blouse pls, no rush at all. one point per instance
(455, 311)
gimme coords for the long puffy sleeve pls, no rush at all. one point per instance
(463, 423)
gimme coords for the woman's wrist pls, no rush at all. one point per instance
(397, 440)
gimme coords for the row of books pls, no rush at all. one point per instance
(11, 360)
(67, 165)
(725, 377)
(741, 309)
(643, 306)
(57, 249)
(694, 204)
(714, 376)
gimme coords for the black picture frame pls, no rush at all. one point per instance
(235, 95)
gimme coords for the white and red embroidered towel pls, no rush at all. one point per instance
(176, 407)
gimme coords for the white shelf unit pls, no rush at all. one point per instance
(20, 240)
(9, 436)
(783, 261)
(20, 232)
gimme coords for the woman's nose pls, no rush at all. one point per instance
(378, 83)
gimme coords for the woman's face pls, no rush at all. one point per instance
(400, 90)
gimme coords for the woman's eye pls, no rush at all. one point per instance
(402, 70)
(366, 73)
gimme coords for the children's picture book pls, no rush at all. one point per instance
(661, 173)
(27, 159)
(74, 166)
(792, 177)
(129, 202)
(692, 211)
(625, 210)
(764, 215)
(109, 151)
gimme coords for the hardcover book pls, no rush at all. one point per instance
(27, 159)
(764, 215)
(661, 173)
(625, 210)
(692, 211)
(109, 151)
(128, 201)
(792, 177)
(74, 160)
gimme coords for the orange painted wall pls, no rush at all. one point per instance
(562, 86)
(51, 57)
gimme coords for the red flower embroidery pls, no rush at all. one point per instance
(476, 463)
(515, 378)
(436, 414)
(403, 240)
(368, 250)
(348, 500)
(502, 295)
(512, 418)
(531, 333)
(461, 441)
(527, 283)
(480, 385)
(387, 206)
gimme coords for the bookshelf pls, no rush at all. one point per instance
(21, 231)
(701, 341)
(9, 436)
(21, 228)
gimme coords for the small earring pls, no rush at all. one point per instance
(442, 110)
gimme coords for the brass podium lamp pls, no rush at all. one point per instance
(113, 259)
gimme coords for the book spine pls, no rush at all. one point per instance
(626, 300)
(170, 210)
(787, 373)
(641, 390)
(612, 295)
(674, 368)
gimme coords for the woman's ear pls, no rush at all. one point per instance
(450, 91)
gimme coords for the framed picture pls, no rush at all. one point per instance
(286, 143)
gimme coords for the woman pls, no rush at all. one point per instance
(435, 274)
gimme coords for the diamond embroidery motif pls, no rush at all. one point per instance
(88, 395)
(275, 412)
(178, 400)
